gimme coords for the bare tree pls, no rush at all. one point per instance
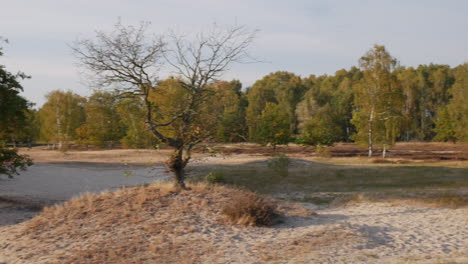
(125, 60)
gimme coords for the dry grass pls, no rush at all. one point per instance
(248, 208)
(144, 224)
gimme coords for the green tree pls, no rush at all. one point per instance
(283, 88)
(60, 117)
(452, 121)
(320, 129)
(378, 101)
(458, 107)
(228, 105)
(445, 126)
(13, 109)
(408, 79)
(274, 126)
(433, 82)
(335, 94)
(132, 116)
(102, 126)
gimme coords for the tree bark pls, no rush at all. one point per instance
(369, 132)
(176, 165)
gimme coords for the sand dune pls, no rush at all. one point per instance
(138, 226)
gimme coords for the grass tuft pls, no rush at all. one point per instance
(247, 208)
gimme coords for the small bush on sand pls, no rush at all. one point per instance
(279, 162)
(249, 209)
(215, 177)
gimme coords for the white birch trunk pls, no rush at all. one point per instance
(369, 132)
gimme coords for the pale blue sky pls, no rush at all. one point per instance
(304, 37)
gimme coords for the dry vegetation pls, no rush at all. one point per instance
(136, 225)
(246, 208)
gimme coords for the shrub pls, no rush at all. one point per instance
(247, 208)
(215, 177)
(279, 162)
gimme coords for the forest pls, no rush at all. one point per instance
(375, 104)
(394, 102)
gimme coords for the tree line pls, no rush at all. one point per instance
(375, 104)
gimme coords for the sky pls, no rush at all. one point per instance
(300, 36)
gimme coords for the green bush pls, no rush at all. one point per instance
(215, 177)
(279, 162)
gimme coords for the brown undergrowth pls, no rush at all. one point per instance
(134, 225)
(247, 208)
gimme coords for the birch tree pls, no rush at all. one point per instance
(60, 116)
(378, 101)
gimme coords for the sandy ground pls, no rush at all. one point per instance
(359, 233)
(364, 233)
